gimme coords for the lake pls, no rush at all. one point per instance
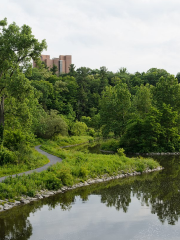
(134, 208)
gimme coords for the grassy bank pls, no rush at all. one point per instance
(66, 141)
(32, 161)
(82, 166)
(76, 167)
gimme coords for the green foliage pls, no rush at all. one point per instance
(63, 173)
(91, 132)
(76, 167)
(120, 152)
(51, 181)
(142, 101)
(157, 132)
(86, 120)
(16, 162)
(50, 125)
(7, 156)
(14, 139)
(66, 141)
(110, 145)
(140, 166)
(115, 104)
(167, 91)
(83, 165)
(79, 128)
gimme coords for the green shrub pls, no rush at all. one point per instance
(91, 132)
(83, 172)
(110, 145)
(64, 174)
(120, 152)
(140, 166)
(79, 128)
(14, 139)
(7, 156)
(52, 182)
(51, 125)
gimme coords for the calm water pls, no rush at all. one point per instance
(135, 208)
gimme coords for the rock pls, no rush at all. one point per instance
(59, 191)
(116, 177)
(49, 193)
(7, 206)
(98, 181)
(38, 196)
(86, 184)
(1, 208)
(25, 201)
(32, 199)
(17, 203)
(91, 182)
(45, 195)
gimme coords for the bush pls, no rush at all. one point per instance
(51, 125)
(120, 152)
(79, 128)
(14, 139)
(140, 167)
(110, 145)
(64, 174)
(83, 172)
(7, 156)
(91, 132)
(51, 181)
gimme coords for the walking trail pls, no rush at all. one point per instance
(53, 160)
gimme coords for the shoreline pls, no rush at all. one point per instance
(9, 204)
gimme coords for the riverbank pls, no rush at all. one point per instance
(8, 204)
(76, 169)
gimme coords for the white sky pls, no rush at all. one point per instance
(136, 34)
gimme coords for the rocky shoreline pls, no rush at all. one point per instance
(145, 154)
(159, 153)
(8, 204)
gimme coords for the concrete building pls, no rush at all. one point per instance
(62, 63)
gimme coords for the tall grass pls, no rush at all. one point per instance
(65, 141)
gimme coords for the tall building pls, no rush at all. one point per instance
(62, 63)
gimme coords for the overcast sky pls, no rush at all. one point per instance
(136, 34)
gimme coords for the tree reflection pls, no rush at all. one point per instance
(15, 226)
(161, 191)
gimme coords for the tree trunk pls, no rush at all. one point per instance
(1, 119)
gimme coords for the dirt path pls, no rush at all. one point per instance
(53, 160)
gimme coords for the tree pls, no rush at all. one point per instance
(167, 91)
(153, 75)
(17, 48)
(114, 107)
(72, 71)
(142, 101)
(54, 69)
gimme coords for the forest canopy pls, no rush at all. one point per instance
(140, 110)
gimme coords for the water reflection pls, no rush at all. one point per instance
(159, 191)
